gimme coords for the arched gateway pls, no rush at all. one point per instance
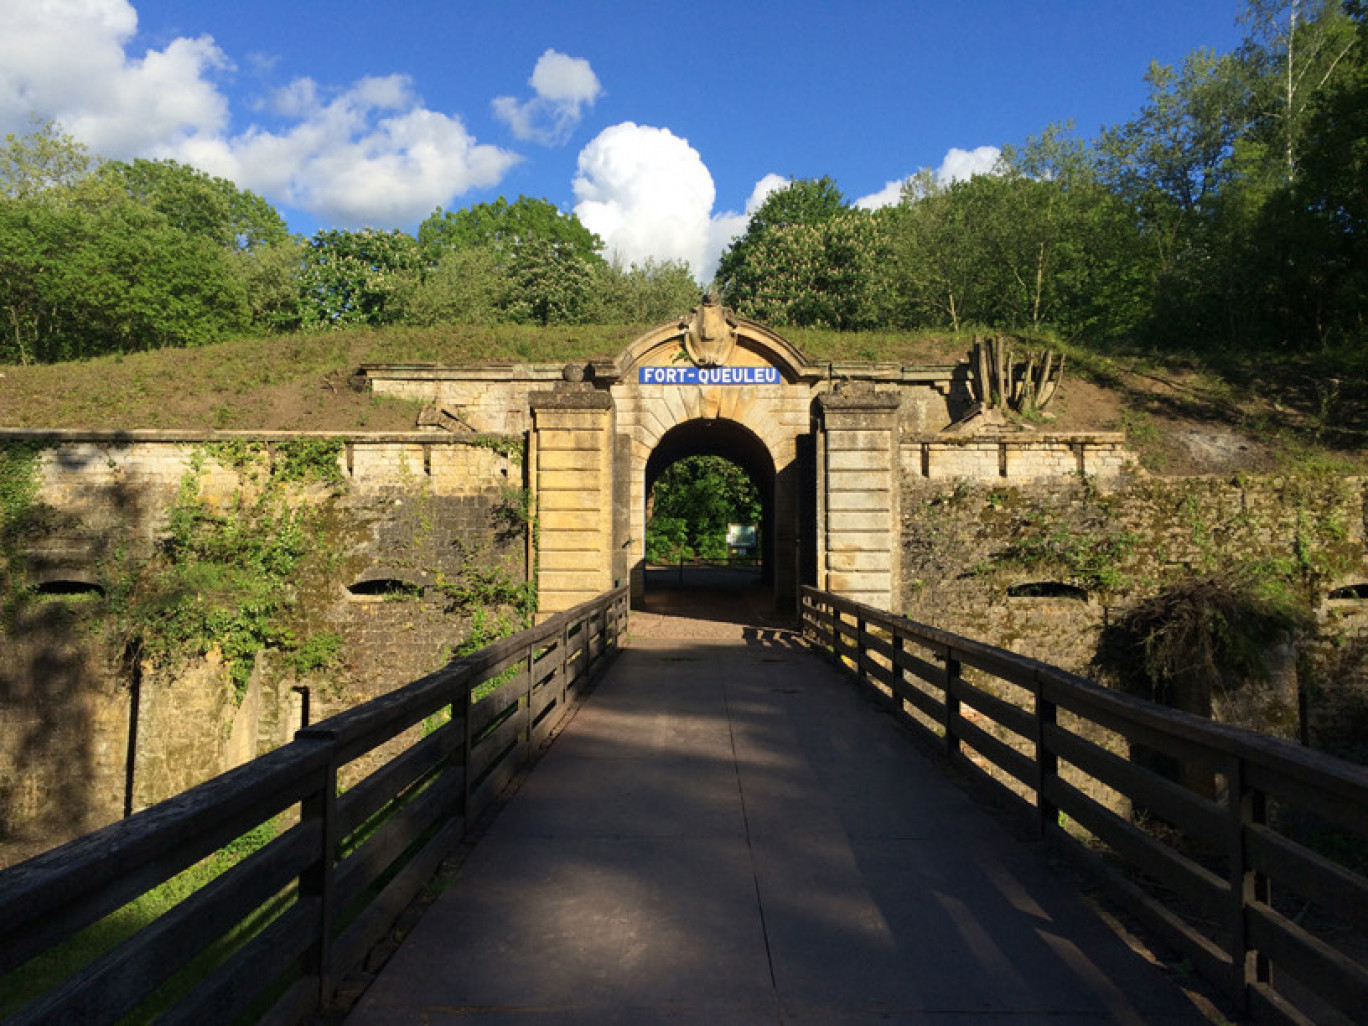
(825, 460)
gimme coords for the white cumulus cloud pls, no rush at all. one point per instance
(888, 196)
(647, 193)
(957, 166)
(564, 87)
(369, 153)
(67, 60)
(960, 165)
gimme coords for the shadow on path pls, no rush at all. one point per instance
(727, 832)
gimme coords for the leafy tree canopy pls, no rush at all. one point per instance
(81, 280)
(807, 259)
(646, 293)
(200, 204)
(693, 501)
(504, 226)
(43, 160)
(803, 201)
(348, 277)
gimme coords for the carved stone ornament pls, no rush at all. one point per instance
(710, 333)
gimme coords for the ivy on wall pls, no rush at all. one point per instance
(225, 577)
(20, 515)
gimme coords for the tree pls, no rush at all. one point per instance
(547, 259)
(348, 277)
(1174, 165)
(1293, 52)
(807, 259)
(1175, 156)
(815, 275)
(270, 276)
(705, 494)
(547, 283)
(803, 201)
(645, 293)
(933, 268)
(44, 159)
(199, 204)
(103, 256)
(1071, 246)
(263, 258)
(1308, 244)
(503, 226)
(466, 286)
(79, 279)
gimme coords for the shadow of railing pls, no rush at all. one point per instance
(1248, 859)
(271, 935)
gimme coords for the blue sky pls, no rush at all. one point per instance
(659, 123)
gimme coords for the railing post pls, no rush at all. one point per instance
(527, 699)
(1244, 807)
(319, 881)
(1047, 763)
(467, 743)
(899, 647)
(952, 705)
(564, 647)
(860, 626)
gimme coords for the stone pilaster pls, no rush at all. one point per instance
(858, 524)
(572, 483)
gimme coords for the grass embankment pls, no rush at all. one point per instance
(1186, 412)
(299, 382)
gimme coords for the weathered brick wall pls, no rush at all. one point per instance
(85, 729)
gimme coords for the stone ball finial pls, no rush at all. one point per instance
(572, 372)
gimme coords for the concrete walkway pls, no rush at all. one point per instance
(727, 832)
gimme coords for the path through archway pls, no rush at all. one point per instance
(738, 446)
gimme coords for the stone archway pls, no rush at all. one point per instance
(828, 464)
(755, 410)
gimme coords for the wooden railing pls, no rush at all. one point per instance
(327, 887)
(1248, 855)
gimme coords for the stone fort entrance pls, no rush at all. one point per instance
(829, 445)
(718, 385)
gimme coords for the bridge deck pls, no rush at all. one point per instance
(727, 832)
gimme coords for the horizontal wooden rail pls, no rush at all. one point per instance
(271, 936)
(1191, 826)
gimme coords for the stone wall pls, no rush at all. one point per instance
(979, 555)
(491, 399)
(1019, 456)
(90, 729)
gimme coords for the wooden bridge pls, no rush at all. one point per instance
(742, 823)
